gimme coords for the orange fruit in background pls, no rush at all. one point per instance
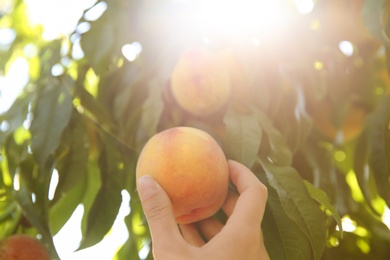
(239, 80)
(191, 167)
(23, 247)
(342, 20)
(351, 125)
(200, 82)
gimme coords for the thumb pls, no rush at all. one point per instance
(158, 210)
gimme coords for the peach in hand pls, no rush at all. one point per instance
(191, 167)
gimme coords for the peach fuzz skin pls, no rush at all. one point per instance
(191, 167)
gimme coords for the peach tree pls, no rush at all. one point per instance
(308, 110)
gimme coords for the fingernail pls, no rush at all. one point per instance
(146, 186)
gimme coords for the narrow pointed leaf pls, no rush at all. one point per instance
(15, 116)
(152, 109)
(298, 204)
(106, 205)
(72, 170)
(282, 237)
(36, 210)
(51, 116)
(379, 147)
(243, 137)
(321, 197)
(280, 152)
(362, 170)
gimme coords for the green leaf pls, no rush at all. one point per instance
(282, 237)
(298, 204)
(294, 122)
(136, 240)
(129, 249)
(73, 161)
(10, 217)
(385, 19)
(322, 172)
(102, 215)
(379, 147)
(372, 159)
(372, 13)
(72, 170)
(14, 154)
(32, 196)
(16, 115)
(362, 170)
(51, 116)
(139, 233)
(49, 54)
(94, 184)
(279, 152)
(7, 210)
(152, 109)
(97, 44)
(321, 197)
(106, 205)
(243, 136)
(94, 109)
(63, 209)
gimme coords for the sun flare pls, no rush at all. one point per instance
(239, 18)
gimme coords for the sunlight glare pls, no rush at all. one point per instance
(57, 70)
(304, 6)
(340, 156)
(68, 238)
(386, 217)
(58, 17)
(131, 51)
(246, 16)
(83, 27)
(4, 126)
(95, 12)
(30, 50)
(143, 253)
(16, 182)
(346, 48)
(13, 82)
(77, 51)
(206, 39)
(300, 107)
(104, 249)
(256, 42)
(348, 224)
(5, 6)
(7, 36)
(53, 184)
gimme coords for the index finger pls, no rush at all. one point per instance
(251, 203)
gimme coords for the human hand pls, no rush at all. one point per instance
(240, 238)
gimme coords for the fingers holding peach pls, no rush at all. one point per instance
(191, 167)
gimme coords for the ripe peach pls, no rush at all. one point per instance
(200, 82)
(241, 88)
(351, 126)
(342, 20)
(22, 247)
(191, 167)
